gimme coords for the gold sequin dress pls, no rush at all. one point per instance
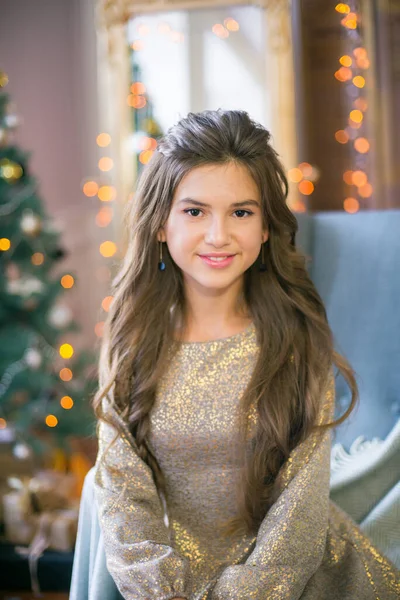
(306, 546)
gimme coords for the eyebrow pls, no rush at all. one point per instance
(234, 204)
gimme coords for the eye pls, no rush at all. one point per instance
(240, 210)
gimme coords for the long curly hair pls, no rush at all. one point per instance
(296, 343)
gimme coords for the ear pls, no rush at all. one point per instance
(265, 236)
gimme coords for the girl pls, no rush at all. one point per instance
(217, 390)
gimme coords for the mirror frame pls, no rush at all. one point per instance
(112, 17)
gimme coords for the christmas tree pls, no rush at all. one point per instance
(45, 387)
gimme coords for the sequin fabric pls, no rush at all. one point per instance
(306, 546)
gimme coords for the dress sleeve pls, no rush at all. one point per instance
(136, 540)
(290, 543)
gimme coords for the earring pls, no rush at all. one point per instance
(263, 266)
(161, 264)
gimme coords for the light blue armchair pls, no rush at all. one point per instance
(355, 265)
(356, 268)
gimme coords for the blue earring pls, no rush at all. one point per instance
(263, 266)
(161, 264)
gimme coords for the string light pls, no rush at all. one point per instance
(106, 193)
(65, 374)
(104, 216)
(105, 163)
(5, 244)
(231, 24)
(90, 188)
(37, 258)
(51, 421)
(347, 74)
(306, 187)
(220, 31)
(103, 140)
(108, 249)
(66, 351)
(295, 175)
(351, 205)
(138, 88)
(67, 281)
(342, 8)
(66, 402)
(106, 303)
(98, 329)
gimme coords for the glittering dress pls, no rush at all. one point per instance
(306, 546)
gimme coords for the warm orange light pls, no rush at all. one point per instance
(99, 328)
(148, 143)
(365, 191)
(354, 125)
(346, 61)
(306, 169)
(348, 177)
(108, 249)
(342, 8)
(342, 136)
(363, 63)
(66, 351)
(67, 281)
(361, 145)
(51, 421)
(295, 175)
(361, 104)
(65, 374)
(220, 30)
(343, 74)
(104, 216)
(106, 303)
(356, 115)
(351, 205)
(90, 188)
(37, 258)
(137, 45)
(350, 21)
(359, 81)
(136, 101)
(106, 163)
(138, 88)
(145, 156)
(360, 52)
(231, 24)
(298, 206)
(3, 423)
(107, 193)
(306, 187)
(359, 178)
(5, 244)
(103, 140)
(66, 402)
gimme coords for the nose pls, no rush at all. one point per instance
(218, 233)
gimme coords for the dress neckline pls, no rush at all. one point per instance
(234, 337)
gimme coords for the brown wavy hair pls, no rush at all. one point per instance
(296, 343)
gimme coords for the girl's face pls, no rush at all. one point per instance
(215, 208)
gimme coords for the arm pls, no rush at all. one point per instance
(139, 556)
(291, 539)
